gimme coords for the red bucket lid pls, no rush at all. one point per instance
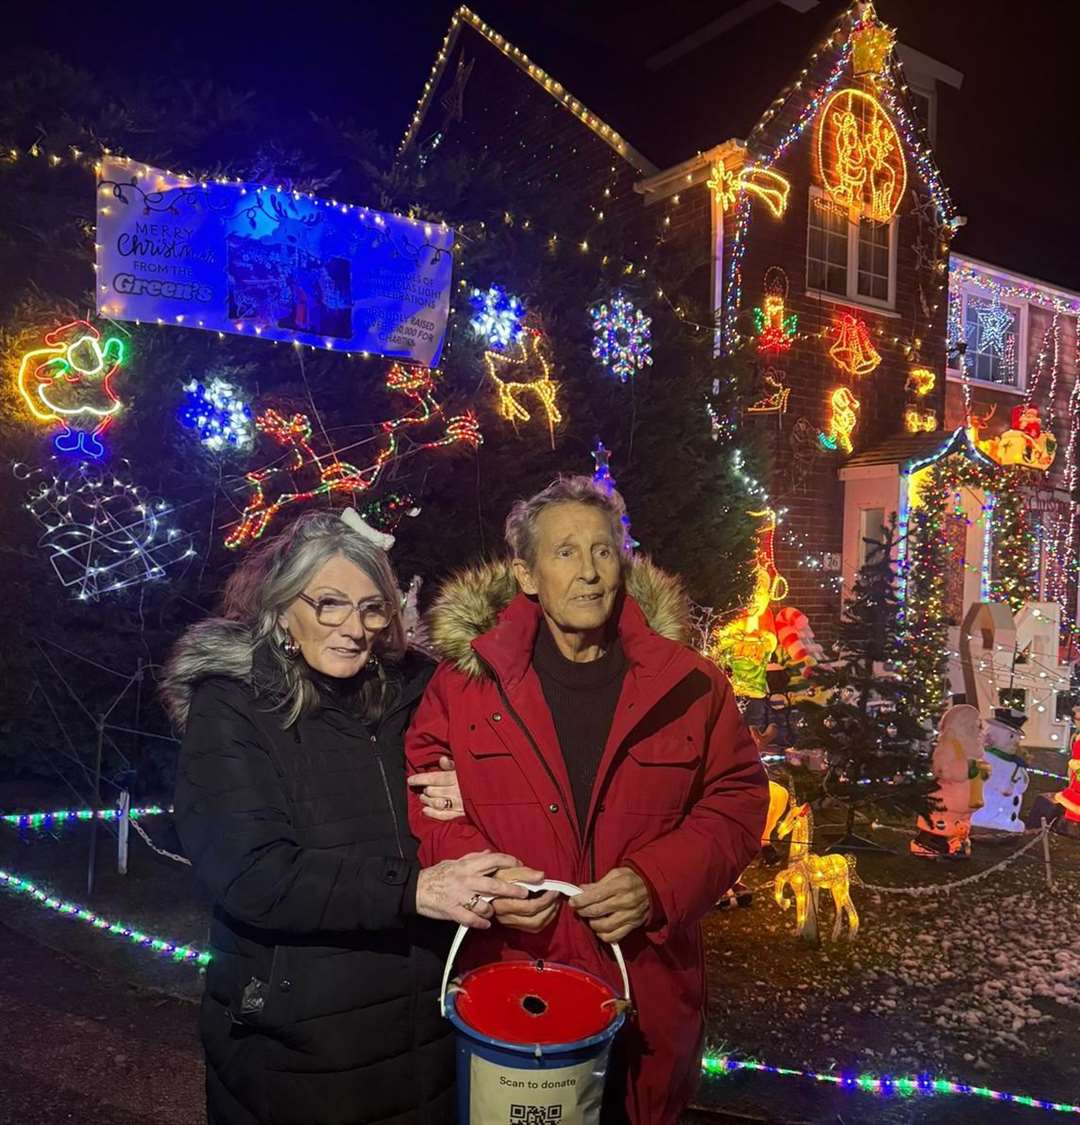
(535, 1002)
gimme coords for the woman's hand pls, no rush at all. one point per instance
(534, 914)
(439, 792)
(454, 890)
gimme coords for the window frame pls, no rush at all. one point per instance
(961, 372)
(853, 296)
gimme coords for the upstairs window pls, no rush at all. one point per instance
(992, 334)
(853, 261)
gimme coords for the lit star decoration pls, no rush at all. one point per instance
(186, 953)
(220, 416)
(870, 47)
(853, 350)
(70, 381)
(842, 419)
(622, 341)
(103, 533)
(602, 476)
(530, 358)
(498, 319)
(328, 474)
(770, 187)
(995, 321)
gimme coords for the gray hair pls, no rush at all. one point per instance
(521, 522)
(268, 581)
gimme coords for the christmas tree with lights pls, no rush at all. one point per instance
(865, 723)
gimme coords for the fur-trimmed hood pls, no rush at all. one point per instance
(215, 647)
(469, 604)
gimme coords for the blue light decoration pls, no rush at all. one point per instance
(499, 317)
(622, 340)
(602, 476)
(219, 415)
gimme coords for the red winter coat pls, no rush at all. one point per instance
(680, 795)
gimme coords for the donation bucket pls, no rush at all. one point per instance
(533, 1037)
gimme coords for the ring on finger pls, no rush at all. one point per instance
(472, 903)
(448, 803)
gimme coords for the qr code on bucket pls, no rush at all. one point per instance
(534, 1114)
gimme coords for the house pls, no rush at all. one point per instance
(827, 228)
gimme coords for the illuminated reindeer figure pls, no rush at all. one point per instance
(531, 359)
(330, 474)
(807, 874)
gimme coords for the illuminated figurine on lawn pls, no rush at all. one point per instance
(1069, 797)
(1004, 791)
(961, 770)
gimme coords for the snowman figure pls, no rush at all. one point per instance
(961, 770)
(1004, 791)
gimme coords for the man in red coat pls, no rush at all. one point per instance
(593, 743)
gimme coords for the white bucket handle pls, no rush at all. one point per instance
(567, 889)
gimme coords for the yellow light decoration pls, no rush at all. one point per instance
(860, 156)
(807, 874)
(870, 47)
(770, 187)
(776, 401)
(1025, 443)
(920, 381)
(531, 354)
(842, 420)
(853, 350)
(918, 421)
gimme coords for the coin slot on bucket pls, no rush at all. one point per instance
(534, 1005)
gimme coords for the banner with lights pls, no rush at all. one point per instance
(267, 261)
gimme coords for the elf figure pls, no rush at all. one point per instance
(961, 769)
(1008, 782)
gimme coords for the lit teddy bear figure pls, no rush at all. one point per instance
(70, 381)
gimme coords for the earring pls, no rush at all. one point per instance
(290, 648)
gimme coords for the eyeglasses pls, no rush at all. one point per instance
(374, 615)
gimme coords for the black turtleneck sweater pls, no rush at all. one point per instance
(582, 698)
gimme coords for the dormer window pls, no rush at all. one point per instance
(854, 261)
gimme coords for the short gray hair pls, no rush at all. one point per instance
(521, 522)
(269, 579)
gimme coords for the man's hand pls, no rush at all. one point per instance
(439, 792)
(531, 914)
(615, 906)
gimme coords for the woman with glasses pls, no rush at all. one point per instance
(320, 1001)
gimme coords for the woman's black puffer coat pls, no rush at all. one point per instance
(320, 1005)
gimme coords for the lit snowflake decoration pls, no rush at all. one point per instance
(498, 318)
(103, 533)
(217, 413)
(622, 339)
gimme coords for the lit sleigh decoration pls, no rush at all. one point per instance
(70, 381)
(326, 474)
(103, 533)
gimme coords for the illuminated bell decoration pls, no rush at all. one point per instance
(860, 156)
(530, 357)
(807, 875)
(327, 474)
(853, 350)
(498, 319)
(219, 416)
(70, 381)
(1025, 443)
(842, 420)
(774, 326)
(919, 421)
(870, 47)
(622, 341)
(770, 187)
(920, 381)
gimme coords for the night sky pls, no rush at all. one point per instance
(1007, 144)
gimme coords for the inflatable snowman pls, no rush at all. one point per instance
(1004, 791)
(961, 770)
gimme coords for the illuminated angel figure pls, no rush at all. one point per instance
(326, 474)
(70, 381)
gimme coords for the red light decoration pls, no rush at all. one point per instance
(853, 350)
(329, 474)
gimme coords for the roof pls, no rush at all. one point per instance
(911, 450)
